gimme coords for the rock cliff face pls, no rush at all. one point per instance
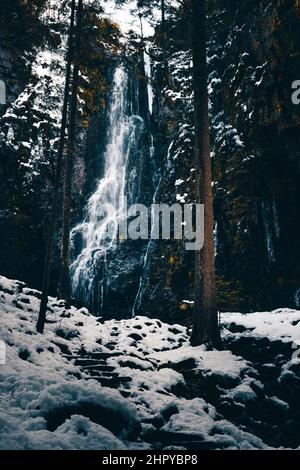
(254, 56)
(256, 150)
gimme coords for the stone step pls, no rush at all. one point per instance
(104, 355)
(98, 367)
(99, 373)
(89, 362)
(125, 393)
(106, 375)
(189, 441)
(72, 356)
(93, 355)
(111, 382)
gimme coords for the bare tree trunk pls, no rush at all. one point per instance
(163, 15)
(58, 172)
(205, 327)
(164, 38)
(64, 283)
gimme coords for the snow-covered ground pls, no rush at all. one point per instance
(169, 394)
(282, 324)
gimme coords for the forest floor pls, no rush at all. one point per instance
(138, 384)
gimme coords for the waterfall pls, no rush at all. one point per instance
(149, 81)
(269, 231)
(99, 222)
(137, 300)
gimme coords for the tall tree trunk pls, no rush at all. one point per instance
(64, 282)
(58, 172)
(163, 14)
(205, 327)
(164, 38)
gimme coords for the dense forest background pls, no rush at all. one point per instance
(253, 58)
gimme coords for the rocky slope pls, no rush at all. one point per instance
(134, 384)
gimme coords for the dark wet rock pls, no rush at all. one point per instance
(169, 411)
(67, 334)
(135, 336)
(234, 328)
(66, 314)
(134, 365)
(24, 354)
(175, 331)
(110, 419)
(32, 292)
(63, 347)
(181, 366)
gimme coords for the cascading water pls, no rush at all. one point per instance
(156, 182)
(110, 192)
(137, 300)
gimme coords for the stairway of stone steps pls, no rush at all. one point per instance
(94, 364)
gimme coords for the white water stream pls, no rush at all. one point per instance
(110, 192)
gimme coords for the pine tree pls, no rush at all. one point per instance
(64, 282)
(57, 184)
(205, 324)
